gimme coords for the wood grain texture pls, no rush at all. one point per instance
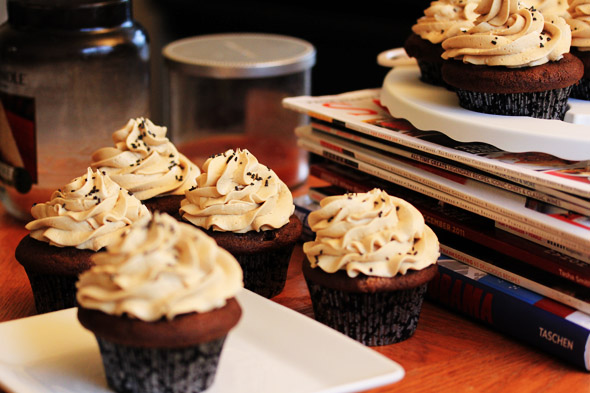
(16, 298)
(448, 353)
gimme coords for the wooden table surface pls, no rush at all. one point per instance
(448, 353)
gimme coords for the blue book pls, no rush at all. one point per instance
(527, 316)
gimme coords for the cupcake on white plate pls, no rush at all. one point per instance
(161, 302)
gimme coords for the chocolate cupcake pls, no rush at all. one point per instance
(442, 19)
(579, 21)
(161, 302)
(81, 218)
(513, 62)
(248, 210)
(369, 265)
(147, 164)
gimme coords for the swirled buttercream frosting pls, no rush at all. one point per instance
(444, 19)
(88, 213)
(160, 268)
(235, 193)
(371, 233)
(579, 21)
(548, 7)
(506, 34)
(145, 162)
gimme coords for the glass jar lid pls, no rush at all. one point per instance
(239, 55)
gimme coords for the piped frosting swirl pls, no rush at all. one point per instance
(548, 7)
(579, 21)
(506, 34)
(371, 233)
(160, 268)
(145, 162)
(88, 213)
(444, 19)
(236, 193)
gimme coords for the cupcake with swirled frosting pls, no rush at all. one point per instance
(579, 20)
(441, 20)
(369, 265)
(147, 164)
(515, 61)
(80, 219)
(161, 302)
(248, 210)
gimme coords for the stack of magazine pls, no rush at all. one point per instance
(514, 228)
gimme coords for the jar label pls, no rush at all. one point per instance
(18, 147)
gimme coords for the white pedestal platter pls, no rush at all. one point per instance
(432, 108)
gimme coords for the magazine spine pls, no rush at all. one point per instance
(507, 312)
(531, 236)
(358, 110)
(554, 231)
(303, 206)
(317, 132)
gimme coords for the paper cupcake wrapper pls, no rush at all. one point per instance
(550, 104)
(430, 72)
(380, 318)
(265, 273)
(581, 90)
(52, 292)
(173, 370)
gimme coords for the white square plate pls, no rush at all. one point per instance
(272, 349)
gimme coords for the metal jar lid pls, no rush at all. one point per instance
(241, 55)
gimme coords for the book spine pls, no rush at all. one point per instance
(506, 274)
(444, 218)
(538, 321)
(555, 230)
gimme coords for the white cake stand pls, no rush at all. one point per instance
(432, 108)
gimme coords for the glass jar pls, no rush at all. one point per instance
(225, 91)
(71, 73)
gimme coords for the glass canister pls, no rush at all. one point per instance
(71, 72)
(225, 91)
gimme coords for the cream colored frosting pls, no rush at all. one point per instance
(235, 193)
(445, 18)
(88, 213)
(548, 7)
(371, 233)
(161, 268)
(579, 21)
(506, 34)
(145, 162)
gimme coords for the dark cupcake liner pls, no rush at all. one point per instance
(430, 72)
(379, 318)
(173, 370)
(265, 273)
(581, 91)
(52, 292)
(550, 104)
